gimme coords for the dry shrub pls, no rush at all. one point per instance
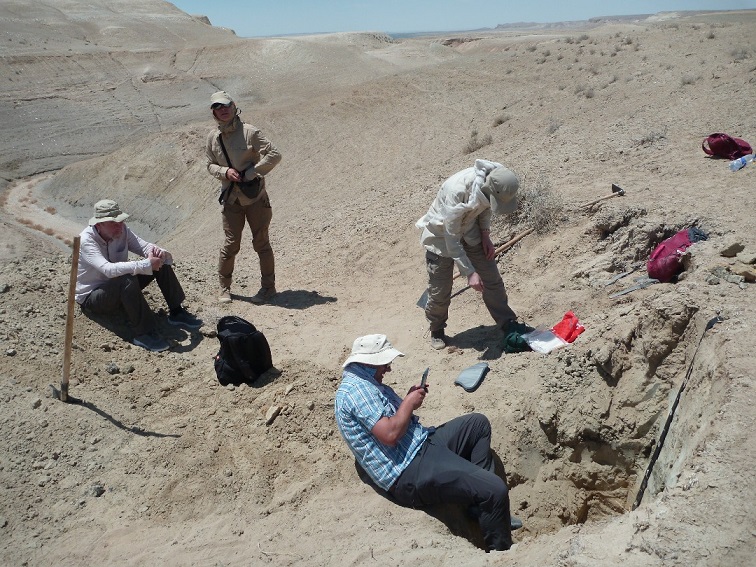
(24, 221)
(51, 210)
(539, 208)
(739, 54)
(49, 231)
(689, 79)
(652, 137)
(475, 143)
(501, 119)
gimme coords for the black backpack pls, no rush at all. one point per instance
(244, 352)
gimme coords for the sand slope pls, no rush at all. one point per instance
(161, 465)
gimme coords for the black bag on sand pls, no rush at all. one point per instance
(244, 352)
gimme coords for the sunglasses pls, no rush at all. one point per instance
(218, 105)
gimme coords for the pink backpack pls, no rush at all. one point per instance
(724, 146)
(664, 262)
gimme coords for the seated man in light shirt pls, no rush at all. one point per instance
(108, 281)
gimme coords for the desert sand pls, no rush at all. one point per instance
(160, 465)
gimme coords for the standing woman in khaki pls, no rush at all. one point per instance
(240, 156)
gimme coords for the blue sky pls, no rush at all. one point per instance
(254, 18)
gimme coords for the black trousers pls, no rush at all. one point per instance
(455, 465)
(125, 292)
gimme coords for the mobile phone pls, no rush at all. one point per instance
(424, 379)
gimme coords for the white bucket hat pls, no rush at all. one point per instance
(372, 349)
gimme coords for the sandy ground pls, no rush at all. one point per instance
(160, 465)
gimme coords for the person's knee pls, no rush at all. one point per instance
(481, 422)
(129, 284)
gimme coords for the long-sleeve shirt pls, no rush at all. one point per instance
(459, 212)
(100, 260)
(249, 151)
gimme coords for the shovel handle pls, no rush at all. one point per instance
(507, 245)
(68, 338)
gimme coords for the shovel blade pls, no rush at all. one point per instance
(423, 300)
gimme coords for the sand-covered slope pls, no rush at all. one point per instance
(161, 465)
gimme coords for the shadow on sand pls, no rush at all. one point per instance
(292, 299)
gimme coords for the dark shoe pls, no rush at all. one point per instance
(515, 327)
(152, 342)
(473, 512)
(264, 295)
(515, 523)
(182, 318)
(438, 339)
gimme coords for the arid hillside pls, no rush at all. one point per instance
(159, 464)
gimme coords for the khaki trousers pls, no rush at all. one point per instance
(258, 216)
(440, 280)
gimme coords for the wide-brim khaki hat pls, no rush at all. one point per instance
(107, 210)
(501, 187)
(372, 349)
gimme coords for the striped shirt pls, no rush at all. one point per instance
(360, 403)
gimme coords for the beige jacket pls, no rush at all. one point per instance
(459, 212)
(248, 150)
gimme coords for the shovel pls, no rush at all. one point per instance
(503, 248)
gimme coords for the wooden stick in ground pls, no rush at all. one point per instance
(69, 320)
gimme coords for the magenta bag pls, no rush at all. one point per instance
(725, 146)
(664, 262)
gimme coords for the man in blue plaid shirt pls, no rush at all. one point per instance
(418, 466)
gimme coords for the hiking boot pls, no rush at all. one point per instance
(225, 295)
(152, 342)
(264, 295)
(515, 523)
(438, 339)
(182, 318)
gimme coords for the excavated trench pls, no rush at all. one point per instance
(601, 410)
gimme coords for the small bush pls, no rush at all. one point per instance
(501, 119)
(538, 207)
(583, 37)
(739, 54)
(710, 35)
(689, 79)
(554, 125)
(531, 48)
(475, 143)
(50, 210)
(652, 137)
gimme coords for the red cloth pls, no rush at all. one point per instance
(568, 328)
